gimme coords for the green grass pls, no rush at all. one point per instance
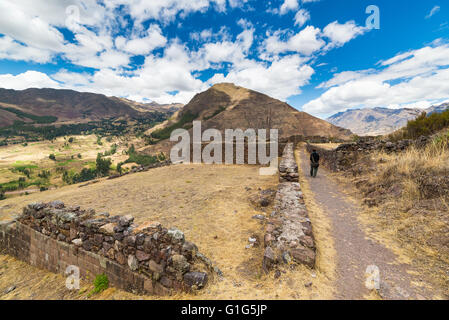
(36, 119)
(65, 162)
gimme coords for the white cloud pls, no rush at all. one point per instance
(12, 50)
(432, 12)
(29, 32)
(280, 79)
(288, 5)
(151, 40)
(339, 34)
(29, 79)
(406, 79)
(305, 42)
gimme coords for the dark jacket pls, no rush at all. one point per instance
(315, 159)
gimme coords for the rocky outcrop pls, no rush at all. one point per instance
(289, 236)
(161, 257)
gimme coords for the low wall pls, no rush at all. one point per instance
(346, 155)
(288, 168)
(289, 236)
(145, 259)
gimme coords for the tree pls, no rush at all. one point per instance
(103, 165)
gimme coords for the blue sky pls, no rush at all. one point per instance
(318, 55)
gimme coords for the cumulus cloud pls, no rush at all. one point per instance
(288, 5)
(339, 34)
(280, 79)
(406, 79)
(28, 79)
(99, 36)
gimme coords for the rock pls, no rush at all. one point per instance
(180, 263)
(259, 217)
(286, 258)
(57, 204)
(110, 253)
(10, 289)
(155, 267)
(269, 259)
(308, 284)
(130, 241)
(108, 229)
(277, 274)
(189, 249)
(120, 258)
(176, 235)
(198, 279)
(77, 242)
(142, 256)
(132, 262)
(126, 221)
(304, 256)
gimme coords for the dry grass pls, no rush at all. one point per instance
(413, 225)
(210, 204)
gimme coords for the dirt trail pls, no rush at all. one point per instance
(355, 250)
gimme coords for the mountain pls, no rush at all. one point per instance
(379, 121)
(373, 122)
(226, 106)
(438, 109)
(50, 105)
(153, 106)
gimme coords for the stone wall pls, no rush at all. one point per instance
(346, 155)
(288, 168)
(144, 259)
(289, 237)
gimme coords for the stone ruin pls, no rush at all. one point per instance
(289, 237)
(288, 168)
(145, 258)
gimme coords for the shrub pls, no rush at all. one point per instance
(103, 165)
(52, 157)
(71, 139)
(101, 283)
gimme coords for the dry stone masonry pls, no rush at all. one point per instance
(288, 168)
(289, 237)
(142, 259)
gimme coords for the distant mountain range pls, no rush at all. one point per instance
(52, 105)
(379, 121)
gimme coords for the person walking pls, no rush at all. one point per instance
(314, 163)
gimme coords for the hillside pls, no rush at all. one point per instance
(379, 121)
(152, 107)
(50, 105)
(226, 106)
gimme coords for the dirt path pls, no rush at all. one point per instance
(355, 250)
